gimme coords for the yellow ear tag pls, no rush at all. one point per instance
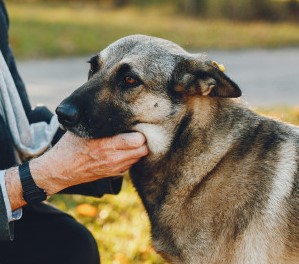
(219, 66)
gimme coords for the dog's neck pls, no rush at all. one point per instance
(198, 149)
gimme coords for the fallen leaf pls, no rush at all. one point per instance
(87, 210)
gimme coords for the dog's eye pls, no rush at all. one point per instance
(130, 81)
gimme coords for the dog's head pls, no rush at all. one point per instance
(141, 83)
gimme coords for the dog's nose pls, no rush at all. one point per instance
(68, 114)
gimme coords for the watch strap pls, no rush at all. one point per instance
(32, 194)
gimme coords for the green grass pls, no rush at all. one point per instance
(39, 30)
(120, 224)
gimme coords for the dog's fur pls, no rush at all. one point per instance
(221, 183)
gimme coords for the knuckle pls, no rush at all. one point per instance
(139, 139)
(102, 143)
(133, 139)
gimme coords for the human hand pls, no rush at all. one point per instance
(75, 160)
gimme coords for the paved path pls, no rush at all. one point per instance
(266, 77)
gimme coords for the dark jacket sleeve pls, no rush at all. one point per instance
(6, 229)
(111, 185)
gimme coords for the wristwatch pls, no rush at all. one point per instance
(32, 194)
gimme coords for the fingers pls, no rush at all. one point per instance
(133, 153)
(125, 141)
(120, 161)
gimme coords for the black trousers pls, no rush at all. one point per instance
(44, 235)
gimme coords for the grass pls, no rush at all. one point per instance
(40, 30)
(120, 224)
(283, 113)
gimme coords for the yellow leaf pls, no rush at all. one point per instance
(87, 210)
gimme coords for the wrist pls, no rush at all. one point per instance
(32, 194)
(44, 176)
(14, 188)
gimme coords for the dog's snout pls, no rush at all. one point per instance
(68, 114)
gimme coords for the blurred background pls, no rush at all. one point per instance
(256, 40)
(74, 27)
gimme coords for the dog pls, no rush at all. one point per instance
(221, 183)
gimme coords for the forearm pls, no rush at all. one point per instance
(14, 188)
(42, 176)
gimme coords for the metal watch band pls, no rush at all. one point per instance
(32, 194)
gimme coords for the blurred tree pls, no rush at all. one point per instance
(194, 7)
(293, 9)
(120, 3)
(262, 9)
(240, 10)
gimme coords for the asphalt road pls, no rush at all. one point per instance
(266, 77)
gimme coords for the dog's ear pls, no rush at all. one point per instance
(206, 78)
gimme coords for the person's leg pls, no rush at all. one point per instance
(43, 237)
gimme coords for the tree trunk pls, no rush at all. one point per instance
(120, 3)
(293, 10)
(193, 7)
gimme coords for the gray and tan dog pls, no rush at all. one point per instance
(221, 183)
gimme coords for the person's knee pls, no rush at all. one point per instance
(81, 245)
(50, 238)
(86, 246)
